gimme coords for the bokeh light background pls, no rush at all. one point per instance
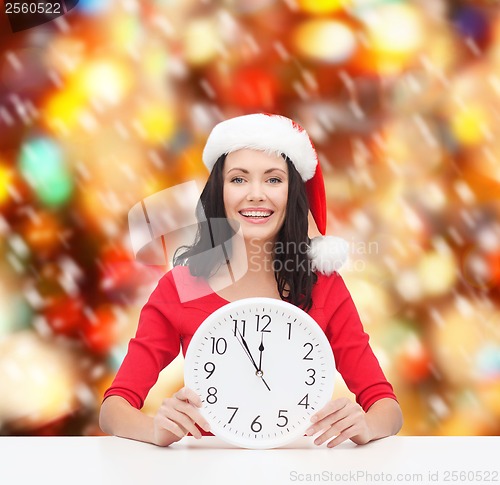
(112, 103)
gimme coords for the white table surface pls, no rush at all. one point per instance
(96, 460)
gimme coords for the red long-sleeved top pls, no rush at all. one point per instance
(175, 310)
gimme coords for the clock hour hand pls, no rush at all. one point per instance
(261, 349)
(244, 344)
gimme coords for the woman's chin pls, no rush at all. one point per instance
(259, 234)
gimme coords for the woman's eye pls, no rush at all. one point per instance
(275, 180)
(237, 180)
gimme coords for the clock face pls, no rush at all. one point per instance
(262, 367)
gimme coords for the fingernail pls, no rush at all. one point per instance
(314, 418)
(317, 441)
(310, 432)
(206, 427)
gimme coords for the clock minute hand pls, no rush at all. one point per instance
(244, 344)
(247, 350)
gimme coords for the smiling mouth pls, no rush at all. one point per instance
(256, 214)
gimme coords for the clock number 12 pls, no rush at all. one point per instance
(265, 318)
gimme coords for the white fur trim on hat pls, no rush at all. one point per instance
(269, 133)
(328, 254)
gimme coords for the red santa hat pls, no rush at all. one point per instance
(280, 135)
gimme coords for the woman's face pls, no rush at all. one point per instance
(256, 192)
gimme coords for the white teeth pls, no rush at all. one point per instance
(255, 214)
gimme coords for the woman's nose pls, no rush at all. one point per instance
(256, 192)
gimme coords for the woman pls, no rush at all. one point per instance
(264, 178)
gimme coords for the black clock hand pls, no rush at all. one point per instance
(244, 344)
(261, 349)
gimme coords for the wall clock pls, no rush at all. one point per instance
(262, 367)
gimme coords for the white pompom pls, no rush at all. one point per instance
(328, 254)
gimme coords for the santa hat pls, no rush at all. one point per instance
(280, 135)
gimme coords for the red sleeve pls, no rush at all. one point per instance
(354, 357)
(155, 345)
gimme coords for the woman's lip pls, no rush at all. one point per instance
(256, 220)
(256, 209)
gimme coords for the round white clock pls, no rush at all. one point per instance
(262, 367)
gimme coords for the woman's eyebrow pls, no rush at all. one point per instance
(275, 168)
(240, 169)
(267, 171)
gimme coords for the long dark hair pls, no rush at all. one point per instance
(291, 265)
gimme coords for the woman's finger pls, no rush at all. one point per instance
(335, 429)
(189, 410)
(187, 394)
(169, 425)
(345, 435)
(338, 417)
(184, 421)
(330, 407)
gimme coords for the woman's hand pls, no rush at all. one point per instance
(343, 419)
(178, 416)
